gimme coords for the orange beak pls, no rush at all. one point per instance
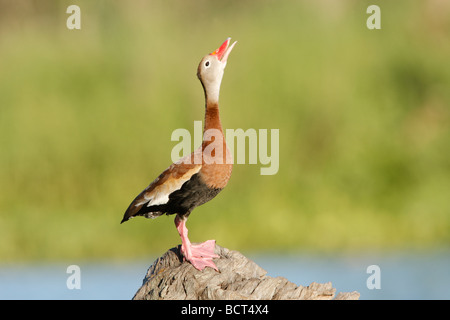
(223, 51)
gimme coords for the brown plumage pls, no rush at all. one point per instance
(189, 182)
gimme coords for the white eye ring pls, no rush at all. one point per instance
(207, 64)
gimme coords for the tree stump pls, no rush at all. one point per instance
(171, 278)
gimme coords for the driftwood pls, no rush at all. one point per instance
(170, 278)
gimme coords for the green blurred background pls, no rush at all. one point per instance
(86, 118)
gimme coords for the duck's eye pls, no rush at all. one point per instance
(207, 63)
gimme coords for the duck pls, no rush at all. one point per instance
(198, 177)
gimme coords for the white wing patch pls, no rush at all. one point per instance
(160, 195)
(158, 198)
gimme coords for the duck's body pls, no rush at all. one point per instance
(189, 182)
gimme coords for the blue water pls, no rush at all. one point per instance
(402, 276)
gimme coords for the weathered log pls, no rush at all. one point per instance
(171, 278)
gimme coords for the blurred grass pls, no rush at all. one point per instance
(86, 118)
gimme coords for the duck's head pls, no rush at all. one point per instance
(211, 68)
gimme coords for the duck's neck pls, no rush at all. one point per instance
(212, 118)
(214, 145)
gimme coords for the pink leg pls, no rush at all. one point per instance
(199, 255)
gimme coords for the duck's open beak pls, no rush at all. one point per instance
(224, 51)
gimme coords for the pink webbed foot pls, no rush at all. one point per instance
(201, 255)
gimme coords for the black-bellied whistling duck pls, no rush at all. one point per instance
(198, 177)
